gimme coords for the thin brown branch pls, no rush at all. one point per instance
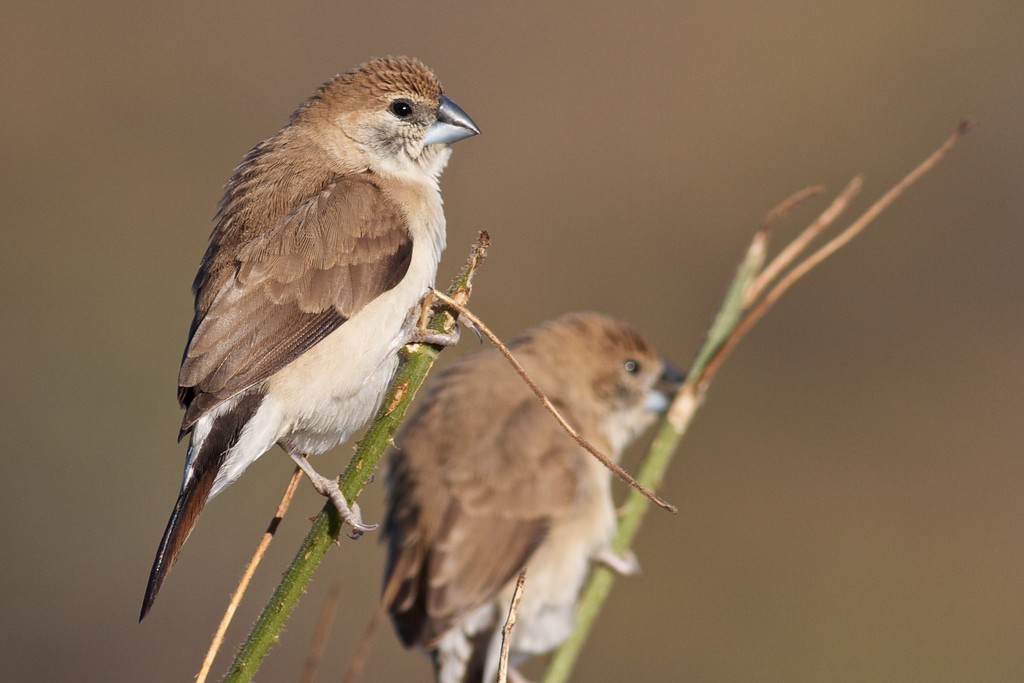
(788, 204)
(243, 583)
(320, 633)
(586, 445)
(510, 623)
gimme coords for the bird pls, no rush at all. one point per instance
(482, 482)
(328, 235)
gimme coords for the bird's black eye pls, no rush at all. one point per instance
(632, 367)
(401, 108)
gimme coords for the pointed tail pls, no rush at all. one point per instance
(183, 518)
(205, 459)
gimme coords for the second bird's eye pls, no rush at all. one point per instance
(401, 108)
(632, 367)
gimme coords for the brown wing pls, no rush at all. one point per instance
(272, 294)
(466, 516)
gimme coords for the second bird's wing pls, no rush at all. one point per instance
(491, 497)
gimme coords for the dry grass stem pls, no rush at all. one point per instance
(788, 204)
(243, 583)
(619, 472)
(320, 633)
(510, 623)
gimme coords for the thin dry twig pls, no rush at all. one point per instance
(604, 460)
(510, 623)
(320, 633)
(788, 204)
(243, 583)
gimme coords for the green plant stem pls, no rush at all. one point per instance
(655, 463)
(326, 527)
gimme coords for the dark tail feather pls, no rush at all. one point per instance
(475, 668)
(205, 463)
(186, 512)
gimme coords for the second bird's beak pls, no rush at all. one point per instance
(671, 380)
(671, 376)
(452, 125)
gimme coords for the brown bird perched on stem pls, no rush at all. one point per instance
(483, 482)
(328, 235)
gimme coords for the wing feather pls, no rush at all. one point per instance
(468, 507)
(280, 291)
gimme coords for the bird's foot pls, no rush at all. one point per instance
(625, 563)
(329, 488)
(419, 335)
(416, 331)
(349, 514)
(476, 330)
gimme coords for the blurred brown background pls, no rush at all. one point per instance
(850, 497)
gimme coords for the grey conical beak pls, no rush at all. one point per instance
(671, 375)
(671, 380)
(452, 125)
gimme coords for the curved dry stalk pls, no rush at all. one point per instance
(243, 583)
(794, 200)
(602, 458)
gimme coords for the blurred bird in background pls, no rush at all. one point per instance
(328, 235)
(483, 482)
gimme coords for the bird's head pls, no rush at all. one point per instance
(389, 116)
(604, 367)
